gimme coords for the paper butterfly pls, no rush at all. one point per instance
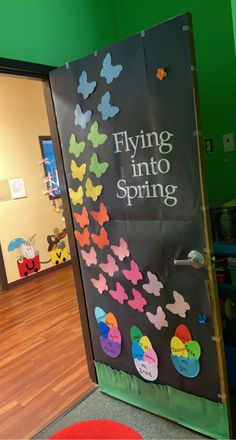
(100, 216)
(102, 239)
(95, 137)
(93, 192)
(154, 286)
(106, 109)
(89, 257)
(110, 72)
(76, 196)
(83, 237)
(96, 167)
(100, 284)
(122, 250)
(82, 219)
(138, 302)
(133, 274)
(180, 306)
(78, 172)
(110, 267)
(119, 294)
(159, 320)
(85, 88)
(75, 147)
(82, 119)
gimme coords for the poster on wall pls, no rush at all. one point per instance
(128, 134)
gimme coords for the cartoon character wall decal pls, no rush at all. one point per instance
(57, 246)
(28, 261)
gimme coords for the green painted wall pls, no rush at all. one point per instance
(56, 31)
(233, 5)
(214, 44)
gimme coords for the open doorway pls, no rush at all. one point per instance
(223, 219)
(43, 368)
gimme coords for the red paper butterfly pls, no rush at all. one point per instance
(82, 238)
(102, 239)
(82, 219)
(100, 216)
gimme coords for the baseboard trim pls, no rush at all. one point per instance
(41, 273)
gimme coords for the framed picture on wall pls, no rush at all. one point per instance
(50, 166)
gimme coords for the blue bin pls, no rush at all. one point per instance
(230, 353)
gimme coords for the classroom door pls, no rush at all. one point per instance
(130, 139)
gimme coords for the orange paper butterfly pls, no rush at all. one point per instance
(82, 219)
(82, 238)
(100, 216)
(102, 239)
(161, 73)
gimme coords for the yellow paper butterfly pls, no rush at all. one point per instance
(92, 191)
(76, 196)
(78, 172)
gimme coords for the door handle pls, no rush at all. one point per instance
(195, 259)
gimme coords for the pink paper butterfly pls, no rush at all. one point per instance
(133, 274)
(110, 267)
(89, 257)
(119, 294)
(122, 250)
(100, 284)
(180, 306)
(154, 286)
(159, 320)
(138, 302)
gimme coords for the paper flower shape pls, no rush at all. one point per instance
(145, 358)
(185, 352)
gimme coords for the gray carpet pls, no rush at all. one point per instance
(100, 406)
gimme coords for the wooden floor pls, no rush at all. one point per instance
(43, 369)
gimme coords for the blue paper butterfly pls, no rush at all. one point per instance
(81, 118)
(85, 88)
(110, 72)
(106, 109)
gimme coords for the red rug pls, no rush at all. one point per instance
(97, 429)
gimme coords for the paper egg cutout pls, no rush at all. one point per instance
(185, 352)
(144, 356)
(100, 315)
(135, 334)
(186, 366)
(111, 320)
(110, 336)
(182, 332)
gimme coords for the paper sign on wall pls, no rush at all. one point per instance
(17, 188)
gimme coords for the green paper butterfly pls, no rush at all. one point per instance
(95, 137)
(96, 167)
(75, 147)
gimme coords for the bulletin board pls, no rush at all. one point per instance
(126, 119)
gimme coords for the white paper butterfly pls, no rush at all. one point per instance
(159, 320)
(180, 306)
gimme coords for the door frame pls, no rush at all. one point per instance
(41, 72)
(3, 276)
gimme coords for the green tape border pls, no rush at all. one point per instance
(199, 414)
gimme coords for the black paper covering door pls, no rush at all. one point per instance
(151, 189)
